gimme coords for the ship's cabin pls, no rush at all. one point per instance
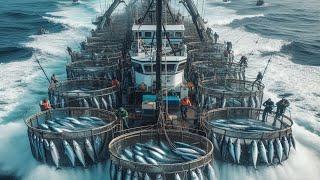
(144, 40)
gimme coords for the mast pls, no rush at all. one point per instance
(159, 54)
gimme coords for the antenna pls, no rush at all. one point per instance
(42, 70)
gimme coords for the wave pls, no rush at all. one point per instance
(7, 54)
(225, 16)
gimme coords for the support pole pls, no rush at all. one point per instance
(159, 54)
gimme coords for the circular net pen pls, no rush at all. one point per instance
(90, 56)
(96, 48)
(248, 131)
(84, 93)
(220, 93)
(50, 147)
(166, 170)
(94, 69)
(214, 52)
(221, 70)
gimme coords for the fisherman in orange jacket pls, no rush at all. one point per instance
(184, 103)
(115, 82)
(45, 105)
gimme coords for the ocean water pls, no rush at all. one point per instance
(288, 30)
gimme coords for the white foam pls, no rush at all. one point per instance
(222, 16)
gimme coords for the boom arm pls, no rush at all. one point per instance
(197, 21)
(108, 13)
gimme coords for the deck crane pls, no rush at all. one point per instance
(196, 18)
(108, 13)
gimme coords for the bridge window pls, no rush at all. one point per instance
(147, 68)
(178, 34)
(140, 34)
(137, 67)
(170, 68)
(147, 34)
(181, 66)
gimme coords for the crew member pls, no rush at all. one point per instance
(268, 108)
(184, 103)
(115, 82)
(122, 114)
(216, 37)
(229, 47)
(53, 79)
(45, 105)
(143, 87)
(244, 61)
(281, 108)
(258, 78)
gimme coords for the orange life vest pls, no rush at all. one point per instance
(46, 105)
(115, 82)
(185, 102)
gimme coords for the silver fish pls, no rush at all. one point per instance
(104, 102)
(159, 177)
(285, 146)
(62, 103)
(35, 147)
(140, 159)
(224, 101)
(46, 144)
(194, 176)
(97, 145)
(69, 152)
(254, 153)
(110, 101)
(54, 154)
(44, 126)
(279, 149)
(270, 151)
(244, 102)
(201, 151)
(79, 152)
(112, 170)
(252, 102)
(199, 174)
(210, 172)
(119, 173)
(231, 150)
(42, 150)
(85, 103)
(263, 152)
(224, 147)
(89, 149)
(151, 160)
(128, 153)
(146, 177)
(135, 176)
(128, 175)
(96, 103)
(215, 141)
(177, 177)
(237, 150)
(187, 150)
(55, 129)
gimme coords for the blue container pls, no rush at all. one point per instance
(173, 101)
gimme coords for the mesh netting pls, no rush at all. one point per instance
(221, 70)
(282, 125)
(182, 135)
(94, 69)
(80, 93)
(104, 132)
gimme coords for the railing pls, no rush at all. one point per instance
(282, 125)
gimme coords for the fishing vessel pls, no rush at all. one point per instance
(158, 58)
